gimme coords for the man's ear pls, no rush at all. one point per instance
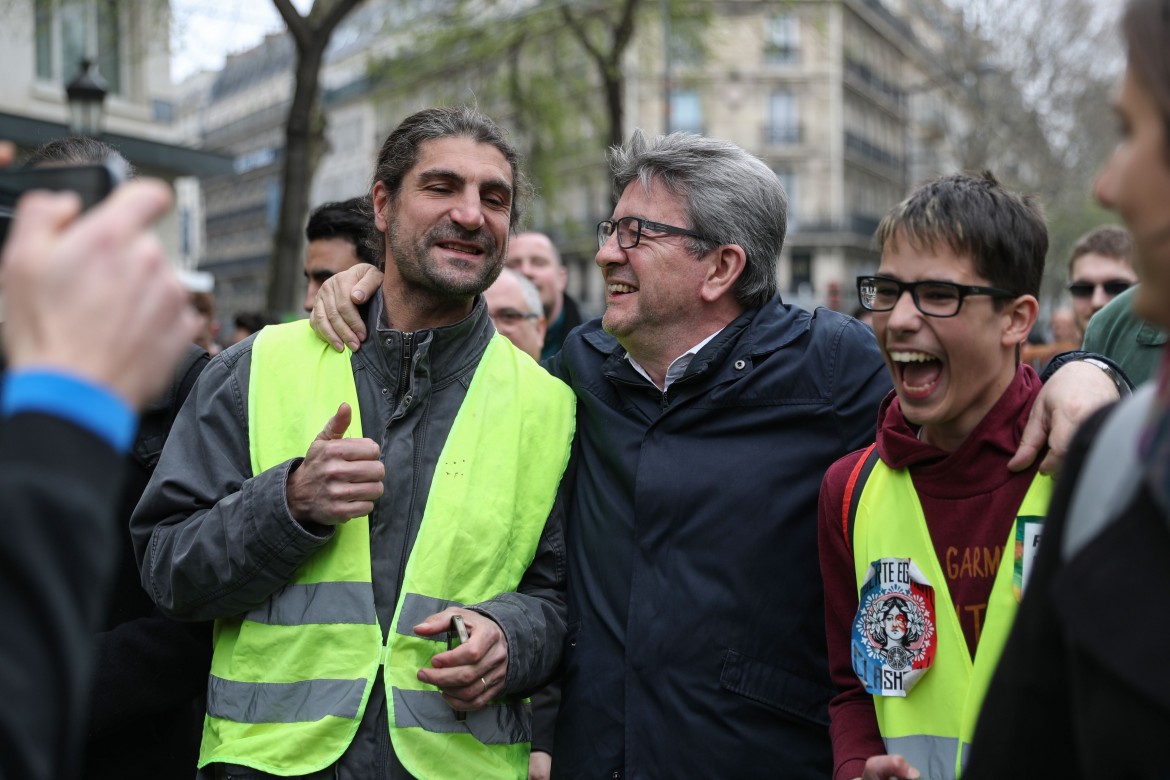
(727, 264)
(1019, 316)
(381, 199)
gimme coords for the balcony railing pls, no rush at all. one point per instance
(783, 134)
(775, 54)
(856, 223)
(864, 74)
(871, 151)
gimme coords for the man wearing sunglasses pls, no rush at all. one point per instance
(1100, 269)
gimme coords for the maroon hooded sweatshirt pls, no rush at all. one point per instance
(970, 501)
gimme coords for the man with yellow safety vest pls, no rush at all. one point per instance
(334, 560)
(926, 537)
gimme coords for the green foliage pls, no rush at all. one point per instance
(523, 70)
(1044, 124)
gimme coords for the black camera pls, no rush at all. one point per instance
(90, 182)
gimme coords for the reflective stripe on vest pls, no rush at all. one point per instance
(291, 678)
(933, 723)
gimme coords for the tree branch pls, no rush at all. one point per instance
(624, 30)
(334, 16)
(579, 33)
(297, 26)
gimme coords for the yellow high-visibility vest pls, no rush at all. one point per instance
(932, 723)
(290, 679)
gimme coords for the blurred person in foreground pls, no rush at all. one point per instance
(1082, 689)
(96, 323)
(151, 672)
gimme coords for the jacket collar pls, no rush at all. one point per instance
(749, 337)
(448, 351)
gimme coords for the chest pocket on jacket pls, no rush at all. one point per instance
(774, 687)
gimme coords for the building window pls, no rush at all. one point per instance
(788, 181)
(163, 111)
(782, 40)
(801, 270)
(69, 30)
(783, 119)
(686, 113)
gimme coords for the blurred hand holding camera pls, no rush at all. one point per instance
(91, 295)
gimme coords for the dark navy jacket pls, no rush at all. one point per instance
(696, 643)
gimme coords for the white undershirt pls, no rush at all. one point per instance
(677, 367)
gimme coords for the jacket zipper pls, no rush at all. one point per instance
(403, 387)
(404, 373)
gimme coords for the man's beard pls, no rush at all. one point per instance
(417, 267)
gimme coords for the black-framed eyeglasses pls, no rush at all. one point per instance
(629, 231)
(511, 316)
(934, 299)
(1113, 288)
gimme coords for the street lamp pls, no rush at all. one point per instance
(87, 96)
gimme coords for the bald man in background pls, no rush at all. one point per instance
(515, 308)
(534, 255)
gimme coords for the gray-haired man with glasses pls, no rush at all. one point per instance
(709, 411)
(516, 311)
(629, 231)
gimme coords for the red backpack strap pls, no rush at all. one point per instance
(853, 487)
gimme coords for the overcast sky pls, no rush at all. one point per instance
(203, 32)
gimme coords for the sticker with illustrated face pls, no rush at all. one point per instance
(894, 635)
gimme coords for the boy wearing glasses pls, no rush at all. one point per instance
(929, 518)
(1100, 269)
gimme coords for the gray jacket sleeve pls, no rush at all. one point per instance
(533, 618)
(211, 539)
